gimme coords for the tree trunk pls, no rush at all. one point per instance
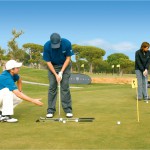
(91, 68)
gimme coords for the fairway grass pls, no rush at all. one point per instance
(108, 103)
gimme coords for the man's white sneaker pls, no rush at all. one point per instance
(49, 115)
(8, 119)
(12, 120)
(69, 115)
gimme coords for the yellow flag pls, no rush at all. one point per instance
(134, 83)
(82, 65)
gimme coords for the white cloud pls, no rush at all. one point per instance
(124, 46)
(95, 42)
(118, 47)
(98, 43)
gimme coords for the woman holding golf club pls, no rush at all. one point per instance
(142, 62)
(57, 53)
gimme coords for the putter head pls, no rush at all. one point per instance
(37, 120)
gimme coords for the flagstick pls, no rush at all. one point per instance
(138, 117)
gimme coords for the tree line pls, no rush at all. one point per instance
(87, 58)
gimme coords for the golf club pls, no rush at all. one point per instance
(146, 89)
(59, 97)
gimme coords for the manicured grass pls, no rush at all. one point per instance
(34, 75)
(108, 103)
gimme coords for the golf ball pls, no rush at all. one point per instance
(146, 101)
(76, 120)
(118, 122)
(60, 119)
(64, 121)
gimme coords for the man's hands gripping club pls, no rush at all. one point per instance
(59, 76)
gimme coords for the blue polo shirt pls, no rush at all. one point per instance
(57, 56)
(8, 81)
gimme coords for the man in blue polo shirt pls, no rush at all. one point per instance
(10, 94)
(57, 53)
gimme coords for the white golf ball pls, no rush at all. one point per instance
(118, 122)
(60, 119)
(76, 120)
(64, 121)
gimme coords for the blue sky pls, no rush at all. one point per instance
(115, 26)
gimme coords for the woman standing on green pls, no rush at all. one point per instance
(142, 62)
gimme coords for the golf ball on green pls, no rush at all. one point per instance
(118, 122)
(64, 121)
(76, 120)
(61, 119)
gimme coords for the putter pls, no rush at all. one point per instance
(146, 89)
(59, 97)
